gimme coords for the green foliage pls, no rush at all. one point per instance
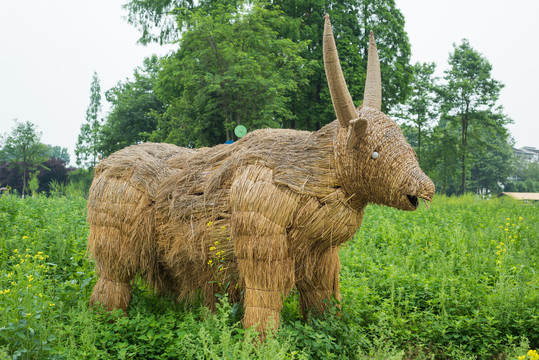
(232, 68)
(457, 282)
(33, 184)
(87, 147)
(352, 21)
(58, 152)
(24, 151)
(421, 107)
(310, 104)
(80, 181)
(458, 278)
(468, 99)
(132, 103)
(526, 177)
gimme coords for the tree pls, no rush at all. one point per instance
(310, 105)
(130, 120)
(24, 151)
(491, 153)
(232, 68)
(87, 148)
(352, 22)
(469, 96)
(525, 176)
(59, 153)
(421, 107)
(439, 160)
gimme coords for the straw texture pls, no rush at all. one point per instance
(252, 219)
(373, 83)
(340, 96)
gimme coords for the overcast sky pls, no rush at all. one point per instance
(50, 49)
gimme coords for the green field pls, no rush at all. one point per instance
(458, 281)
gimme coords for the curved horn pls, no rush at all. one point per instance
(373, 84)
(340, 96)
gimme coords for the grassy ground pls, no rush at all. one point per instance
(459, 281)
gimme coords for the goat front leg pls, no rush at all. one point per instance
(319, 282)
(265, 267)
(261, 211)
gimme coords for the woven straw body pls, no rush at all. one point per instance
(253, 219)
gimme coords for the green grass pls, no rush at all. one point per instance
(458, 281)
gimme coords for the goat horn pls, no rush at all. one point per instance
(340, 96)
(373, 84)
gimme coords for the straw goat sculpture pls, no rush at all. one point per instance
(255, 218)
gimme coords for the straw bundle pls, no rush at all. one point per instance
(252, 219)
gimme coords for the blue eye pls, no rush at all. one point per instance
(375, 155)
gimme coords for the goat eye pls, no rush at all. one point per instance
(375, 155)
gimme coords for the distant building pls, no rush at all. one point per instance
(527, 153)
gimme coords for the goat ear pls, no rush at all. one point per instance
(357, 129)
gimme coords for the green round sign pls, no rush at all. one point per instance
(240, 131)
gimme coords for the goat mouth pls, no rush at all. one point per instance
(414, 201)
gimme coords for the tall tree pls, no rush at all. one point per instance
(232, 68)
(352, 20)
(87, 148)
(469, 92)
(130, 120)
(439, 159)
(421, 107)
(24, 151)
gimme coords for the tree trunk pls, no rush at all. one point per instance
(464, 148)
(419, 142)
(23, 181)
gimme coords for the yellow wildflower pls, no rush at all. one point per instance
(210, 262)
(520, 218)
(25, 237)
(223, 227)
(522, 357)
(28, 314)
(40, 295)
(533, 354)
(217, 242)
(212, 248)
(51, 304)
(16, 251)
(210, 223)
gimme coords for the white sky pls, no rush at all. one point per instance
(50, 49)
